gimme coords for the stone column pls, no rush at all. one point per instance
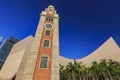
(55, 52)
(31, 60)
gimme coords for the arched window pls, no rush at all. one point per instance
(49, 19)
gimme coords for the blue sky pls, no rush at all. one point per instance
(84, 24)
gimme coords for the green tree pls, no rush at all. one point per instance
(103, 70)
(114, 69)
(95, 70)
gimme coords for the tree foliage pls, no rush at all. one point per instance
(103, 70)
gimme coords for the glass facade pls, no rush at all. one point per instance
(5, 49)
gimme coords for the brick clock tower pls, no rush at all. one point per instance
(42, 63)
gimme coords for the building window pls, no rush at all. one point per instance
(46, 44)
(47, 33)
(44, 62)
(52, 20)
(49, 19)
(46, 18)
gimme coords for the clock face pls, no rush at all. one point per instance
(48, 26)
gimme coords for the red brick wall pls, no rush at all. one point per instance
(44, 74)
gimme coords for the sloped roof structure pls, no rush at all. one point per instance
(108, 50)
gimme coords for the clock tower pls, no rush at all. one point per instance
(42, 63)
(47, 67)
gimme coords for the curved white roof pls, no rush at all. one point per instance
(108, 50)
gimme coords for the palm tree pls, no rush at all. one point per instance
(104, 70)
(71, 68)
(95, 70)
(103, 67)
(78, 69)
(114, 69)
(64, 74)
(61, 72)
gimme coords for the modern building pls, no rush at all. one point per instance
(5, 49)
(0, 40)
(37, 58)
